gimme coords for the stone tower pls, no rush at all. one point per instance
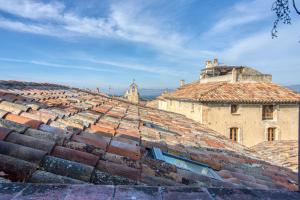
(132, 94)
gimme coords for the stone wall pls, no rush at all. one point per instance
(227, 77)
(252, 129)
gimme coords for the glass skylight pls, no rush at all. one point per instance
(186, 164)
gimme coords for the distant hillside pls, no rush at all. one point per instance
(295, 88)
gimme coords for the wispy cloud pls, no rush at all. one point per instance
(242, 14)
(125, 21)
(55, 65)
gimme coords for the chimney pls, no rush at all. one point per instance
(208, 64)
(216, 62)
(182, 82)
(98, 90)
(234, 75)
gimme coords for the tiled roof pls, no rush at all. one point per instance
(283, 153)
(99, 192)
(57, 134)
(254, 92)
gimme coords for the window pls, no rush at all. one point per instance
(234, 109)
(267, 112)
(271, 134)
(186, 164)
(234, 134)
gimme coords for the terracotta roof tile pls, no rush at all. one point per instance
(125, 149)
(3, 113)
(4, 132)
(18, 170)
(13, 107)
(96, 142)
(74, 155)
(104, 130)
(71, 114)
(29, 141)
(21, 152)
(119, 170)
(67, 168)
(23, 120)
(13, 125)
(40, 176)
(235, 92)
(39, 115)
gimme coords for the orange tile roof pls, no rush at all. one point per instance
(101, 140)
(257, 92)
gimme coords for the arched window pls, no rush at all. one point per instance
(271, 134)
(234, 134)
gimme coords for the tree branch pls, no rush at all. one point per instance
(294, 5)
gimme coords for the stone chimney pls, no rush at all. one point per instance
(182, 82)
(208, 64)
(234, 75)
(216, 62)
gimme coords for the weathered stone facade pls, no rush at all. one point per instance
(252, 129)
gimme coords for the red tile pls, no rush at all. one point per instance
(129, 134)
(23, 120)
(4, 132)
(124, 149)
(107, 124)
(98, 143)
(17, 169)
(29, 141)
(39, 115)
(102, 130)
(120, 170)
(74, 155)
(21, 152)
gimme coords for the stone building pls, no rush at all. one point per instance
(238, 101)
(132, 94)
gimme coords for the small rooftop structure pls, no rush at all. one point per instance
(214, 72)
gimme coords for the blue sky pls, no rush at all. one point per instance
(102, 43)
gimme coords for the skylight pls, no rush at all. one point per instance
(186, 164)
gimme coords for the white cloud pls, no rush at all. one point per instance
(125, 21)
(32, 9)
(242, 14)
(278, 56)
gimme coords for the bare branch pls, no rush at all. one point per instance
(295, 7)
(282, 11)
